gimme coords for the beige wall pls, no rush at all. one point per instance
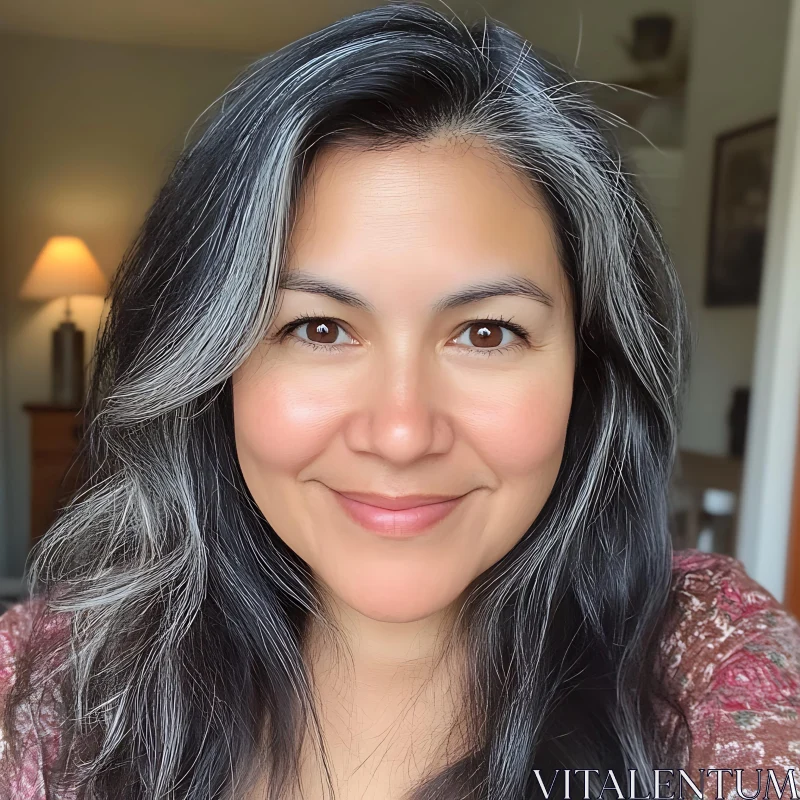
(736, 62)
(737, 67)
(87, 135)
(590, 32)
(767, 499)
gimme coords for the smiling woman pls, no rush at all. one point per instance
(381, 431)
(430, 352)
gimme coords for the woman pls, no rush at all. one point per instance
(381, 428)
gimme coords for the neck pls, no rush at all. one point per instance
(358, 653)
(389, 696)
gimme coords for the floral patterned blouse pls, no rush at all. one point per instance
(732, 651)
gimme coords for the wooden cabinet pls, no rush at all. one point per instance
(54, 435)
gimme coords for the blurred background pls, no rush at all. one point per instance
(95, 102)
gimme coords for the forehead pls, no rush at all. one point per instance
(424, 215)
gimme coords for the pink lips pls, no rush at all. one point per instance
(397, 517)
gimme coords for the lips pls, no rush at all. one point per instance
(399, 503)
(397, 517)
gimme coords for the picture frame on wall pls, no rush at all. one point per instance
(743, 161)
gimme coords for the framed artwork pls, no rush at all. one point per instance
(743, 161)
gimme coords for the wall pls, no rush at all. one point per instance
(587, 35)
(736, 72)
(771, 463)
(88, 133)
(736, 50)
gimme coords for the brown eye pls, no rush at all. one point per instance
(489, 337)
(322, 331)
(483, 334)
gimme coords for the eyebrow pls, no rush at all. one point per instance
(512, 285)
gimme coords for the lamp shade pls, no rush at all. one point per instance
(64, 267)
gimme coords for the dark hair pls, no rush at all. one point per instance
(188, 612)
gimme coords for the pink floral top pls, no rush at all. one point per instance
(732, 651)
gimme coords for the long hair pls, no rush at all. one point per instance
(182, 665)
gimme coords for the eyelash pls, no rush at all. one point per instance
(518, 330)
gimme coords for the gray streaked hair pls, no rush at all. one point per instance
(183, 672)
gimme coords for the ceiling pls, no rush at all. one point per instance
(249, 26)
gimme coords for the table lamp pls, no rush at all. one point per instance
(63, 268)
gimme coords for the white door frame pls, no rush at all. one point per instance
(765, 516)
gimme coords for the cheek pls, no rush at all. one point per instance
(521, 427)
(283, 420)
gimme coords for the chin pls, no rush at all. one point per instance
(395, 595)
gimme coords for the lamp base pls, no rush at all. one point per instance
(67, 373)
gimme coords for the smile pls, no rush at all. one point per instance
(408, 516)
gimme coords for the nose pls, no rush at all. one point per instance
(399, 415)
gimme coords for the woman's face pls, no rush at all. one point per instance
(411, 263)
